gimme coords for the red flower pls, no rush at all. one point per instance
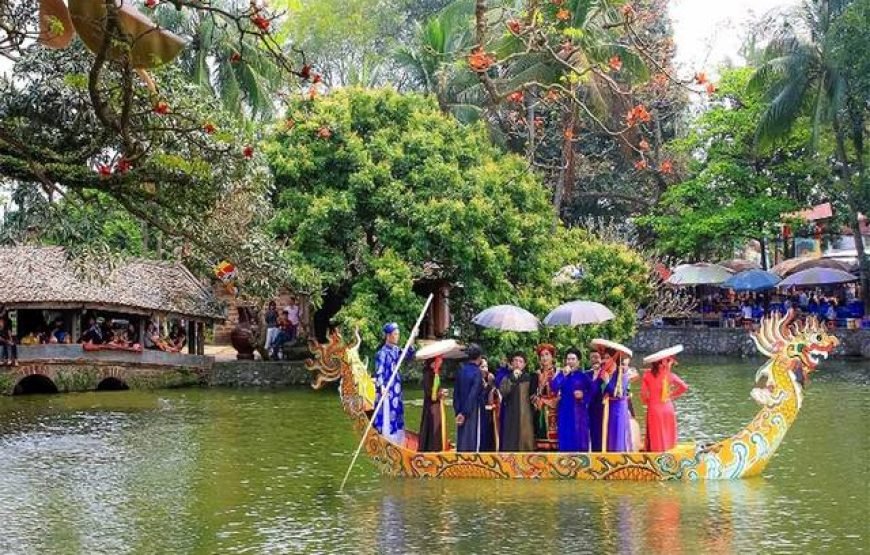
(235, 58)
(123, 165)
(640, 165)
(615, 63)
(552, 95)
(150, 4)
(305, 72)
(104, 170)
(568, 134)
(248, 152)
(316, 78)
(324, 132)
(209, 127)
(563, 15)
(312, 93)
(479, 60)
(644, 146)
(516, 96)
(289, 123)
(636, 115)
(161, 108)
(515, 26)
(557, 2)
(666, 166)
(711, 88)
(261, 22)
(539, 121)
(700, 78)
(627, 10)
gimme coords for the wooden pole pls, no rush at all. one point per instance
(386, 389)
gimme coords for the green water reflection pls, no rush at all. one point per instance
(225, 471)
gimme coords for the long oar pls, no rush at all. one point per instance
(386, 389)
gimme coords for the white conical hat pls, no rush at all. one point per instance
(607, 344)
(663, 354)
(438, 348)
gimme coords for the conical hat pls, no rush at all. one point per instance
(607, 344)
(663, 354)
(438, 348)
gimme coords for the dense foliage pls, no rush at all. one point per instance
(733, 192)
(377, 191)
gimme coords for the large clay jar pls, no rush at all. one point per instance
(242, 336)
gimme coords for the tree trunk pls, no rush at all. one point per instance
(566, 172)
(854, 202)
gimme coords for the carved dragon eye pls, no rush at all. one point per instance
(819, 338)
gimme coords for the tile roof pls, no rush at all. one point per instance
(44, 276)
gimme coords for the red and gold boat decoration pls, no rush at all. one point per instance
(788, 346)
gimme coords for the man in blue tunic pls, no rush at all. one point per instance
(468, 401)
(392, 411)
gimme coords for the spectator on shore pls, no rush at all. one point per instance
(8, 348)
(291, 312)
(271, 319)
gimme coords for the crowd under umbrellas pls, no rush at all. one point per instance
(820, 287)
(557, 406)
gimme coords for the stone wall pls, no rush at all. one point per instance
(732, 341)
(87, 376)
(249, 373)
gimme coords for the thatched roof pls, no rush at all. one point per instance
(43, 277)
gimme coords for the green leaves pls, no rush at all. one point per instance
(398, 188)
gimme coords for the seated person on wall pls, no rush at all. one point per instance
(177, 339)
(132, 336)
(285, 334)
(94, 334)
(30, 339)
(58, 334)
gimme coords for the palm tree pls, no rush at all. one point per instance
(801, 75)
(430, 61)
(233, 67)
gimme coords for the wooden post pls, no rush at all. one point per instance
(75, 325)
(200, 344)
(142, 331)
(192, 338)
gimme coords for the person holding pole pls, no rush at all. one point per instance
(390, 418)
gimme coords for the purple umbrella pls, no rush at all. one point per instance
(817, 276)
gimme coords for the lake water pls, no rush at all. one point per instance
(242, 471)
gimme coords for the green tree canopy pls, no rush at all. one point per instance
(733, 193)
(376, 191)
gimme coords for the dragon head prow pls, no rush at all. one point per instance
(794, 343)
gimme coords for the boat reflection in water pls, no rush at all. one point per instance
(602, 517)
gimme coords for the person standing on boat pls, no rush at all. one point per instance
(390, 419)
(516, 390)
(573, 388)
(544, 399)
(615, 418)
(491, 410)
(659, 388)
(432, 430)
(468, 401)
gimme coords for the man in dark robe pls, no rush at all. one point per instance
(432, 422)
(491, 414)
(516, 390)
(468, 401)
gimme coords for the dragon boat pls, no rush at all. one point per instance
(786, 344)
